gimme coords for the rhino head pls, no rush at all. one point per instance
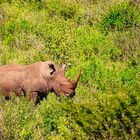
(60, 84)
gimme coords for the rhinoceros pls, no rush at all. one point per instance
(36, 80)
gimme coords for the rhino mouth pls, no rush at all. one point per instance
(70, 95)
(67, 94)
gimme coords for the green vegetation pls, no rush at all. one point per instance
(120, 17)
(101, 36)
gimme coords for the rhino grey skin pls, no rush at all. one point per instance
(36, 80)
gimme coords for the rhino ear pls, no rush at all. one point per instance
(64, 67)
(52, 69)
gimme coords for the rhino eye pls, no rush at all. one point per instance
(61, 85)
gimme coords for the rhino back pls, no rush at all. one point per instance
(11, 77)
(32, 78)
(28, 77)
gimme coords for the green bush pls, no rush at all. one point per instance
(120, 17)
(90, 116)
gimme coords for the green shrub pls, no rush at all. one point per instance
(127, 43)
(90, 116)
(119, 17)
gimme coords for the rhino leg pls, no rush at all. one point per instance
(33, 96)
(6, 93)
(7, 97)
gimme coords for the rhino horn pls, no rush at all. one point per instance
(77, 78)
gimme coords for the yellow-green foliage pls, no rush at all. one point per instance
(103, 37)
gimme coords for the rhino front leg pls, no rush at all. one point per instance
(33, 96)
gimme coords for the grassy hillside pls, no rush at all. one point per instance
(101, 36)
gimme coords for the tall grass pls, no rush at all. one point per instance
(103, 37)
